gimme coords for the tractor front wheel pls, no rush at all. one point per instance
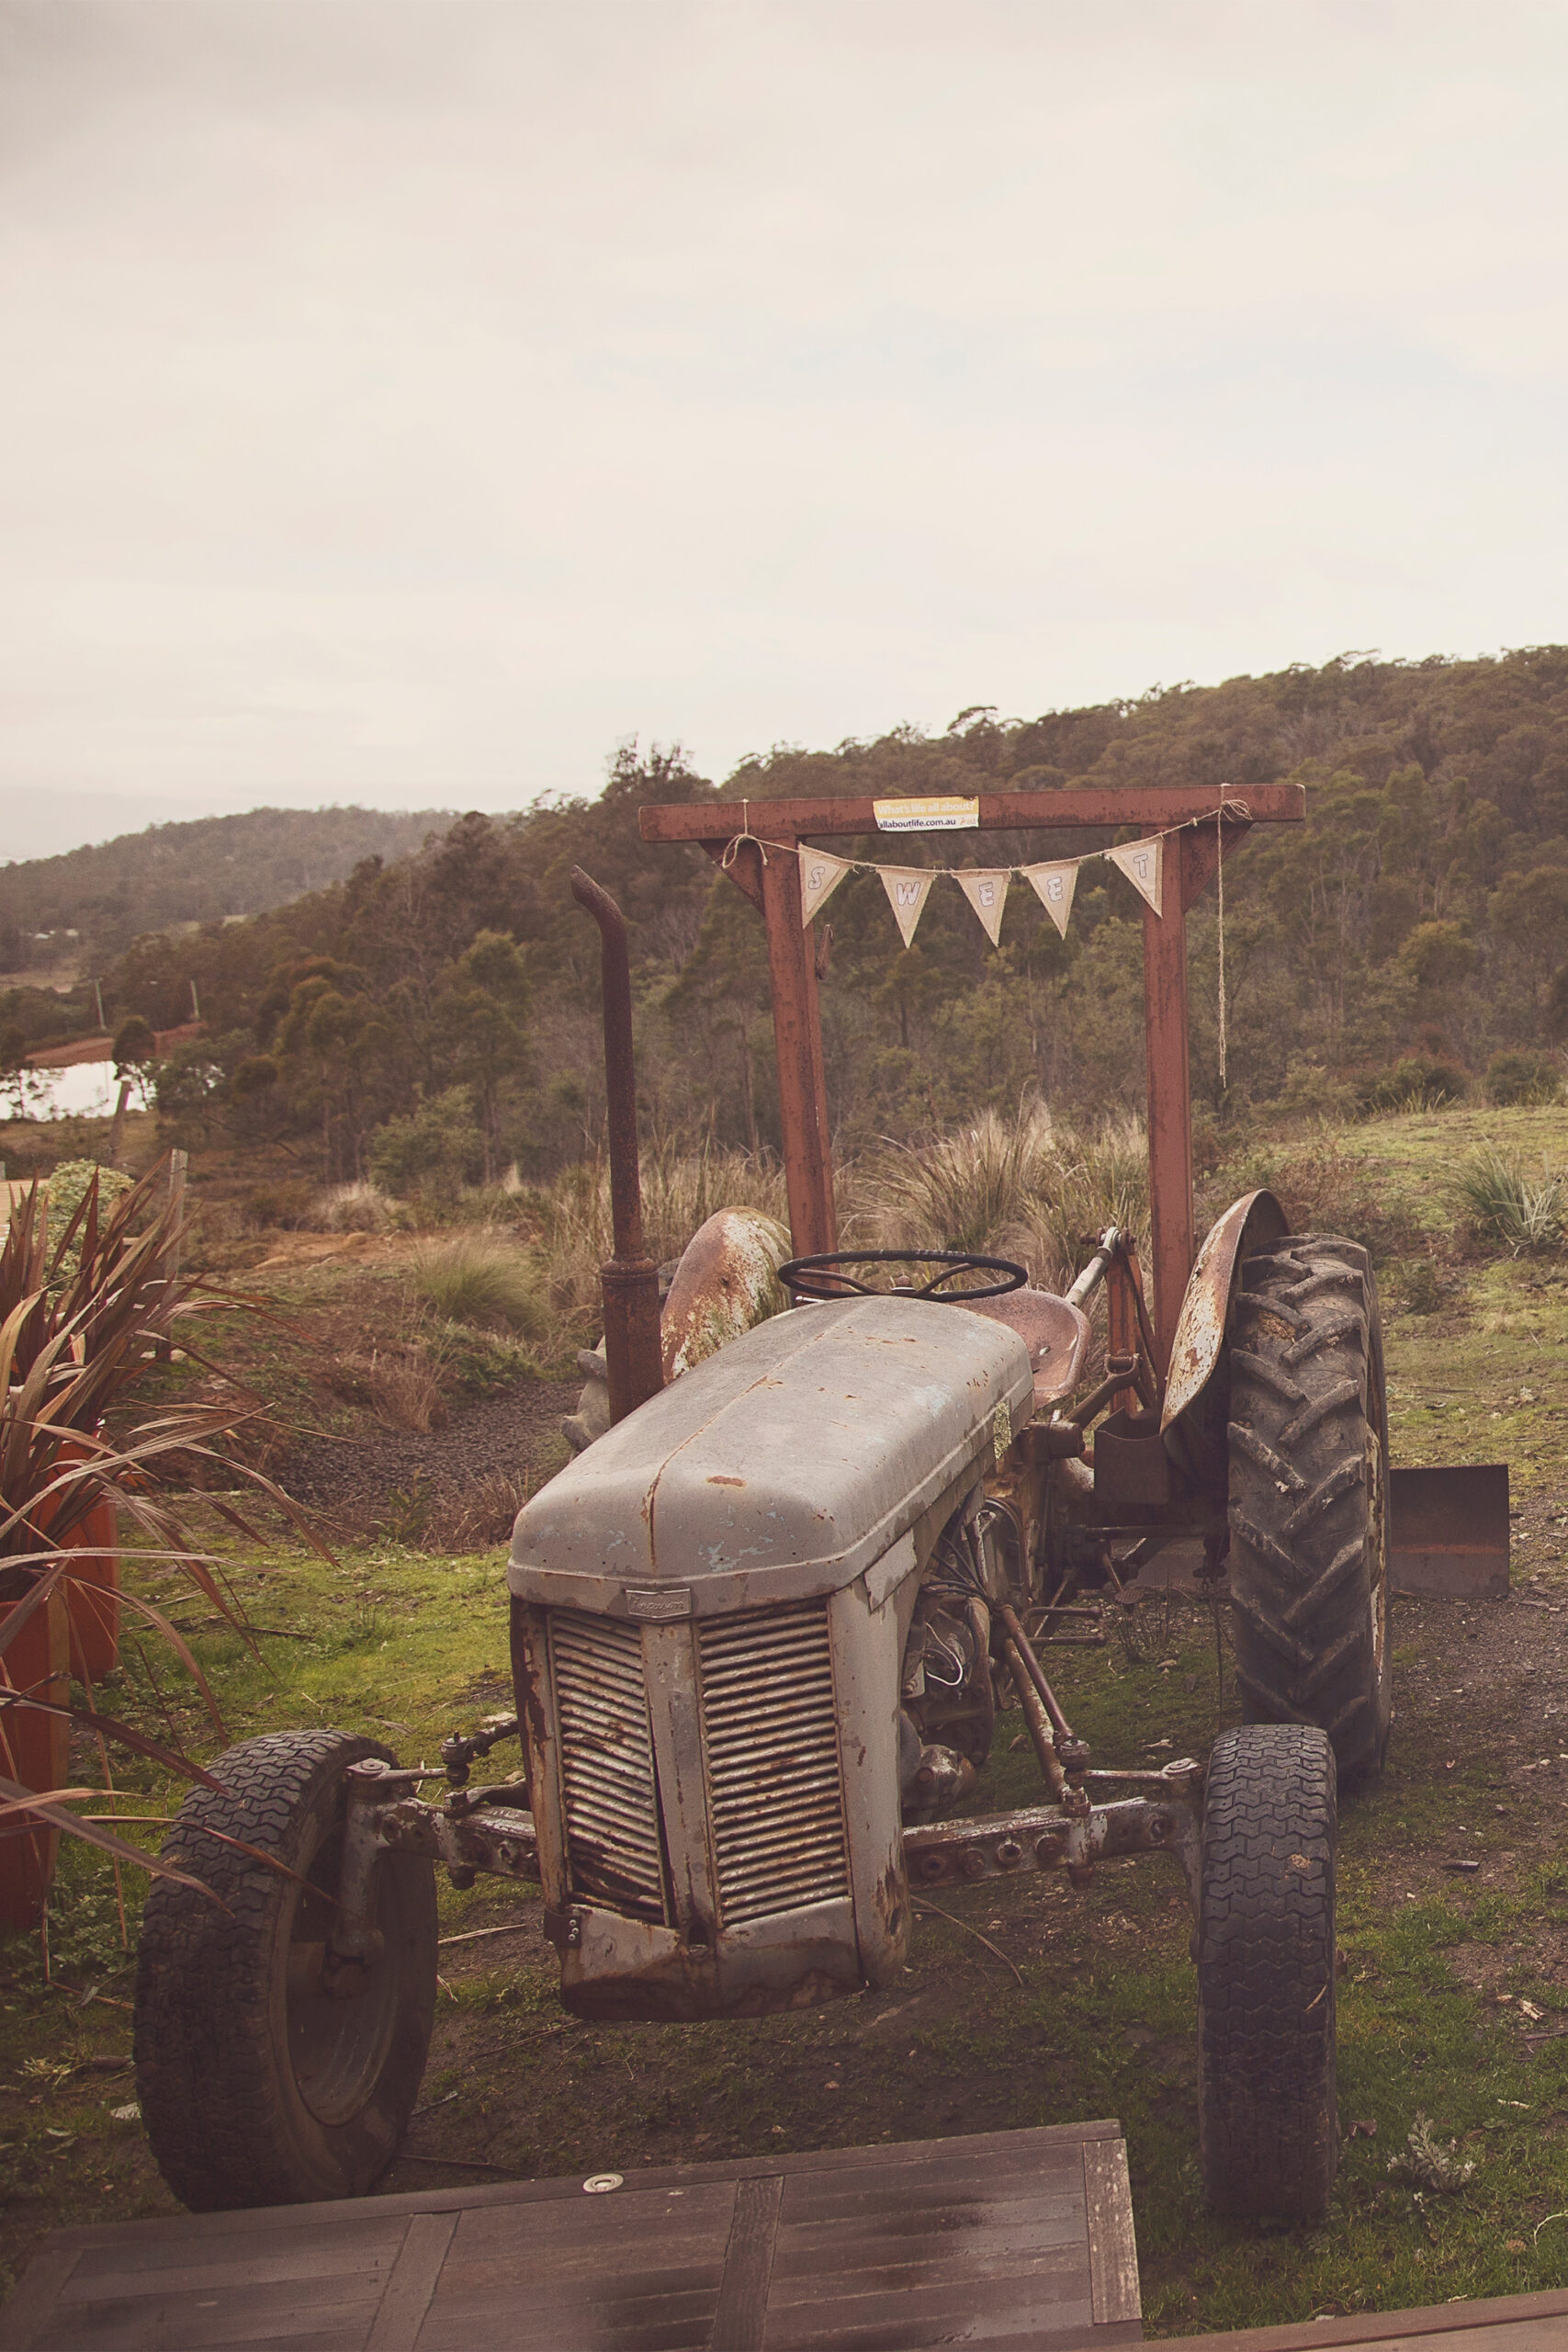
(263, 2079)
(1268, 2118)
(1309, 1497)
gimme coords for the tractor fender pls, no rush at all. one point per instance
(1255, 1222)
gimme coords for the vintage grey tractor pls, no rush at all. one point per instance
(761, 1630)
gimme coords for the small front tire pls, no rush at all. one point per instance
(1268, 2112)
(258, 2086)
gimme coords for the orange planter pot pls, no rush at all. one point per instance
(92, 1594)
(35, 1751)
(91, 1587)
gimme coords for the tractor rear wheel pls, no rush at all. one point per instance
(1309, 1497)
(1268, 2117)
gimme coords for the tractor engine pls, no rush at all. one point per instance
(745, 1623)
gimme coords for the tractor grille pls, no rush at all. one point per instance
(612, 1814)
(773, 1758)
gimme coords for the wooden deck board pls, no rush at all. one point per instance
(988, 2241)
(1537, 2322)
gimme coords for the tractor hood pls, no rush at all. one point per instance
(782, 1468)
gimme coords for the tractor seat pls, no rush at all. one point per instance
(1057, 1335)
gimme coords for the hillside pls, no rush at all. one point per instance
(207, 870)
(1414, 929)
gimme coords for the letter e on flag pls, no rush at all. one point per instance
(985, 887)
(1054, 885)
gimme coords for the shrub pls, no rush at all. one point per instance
(1498, 1202)
(1523, 1078)
(1416, 1082)
(288, 1202)
(431, 1151)
(67, 1187)
(483, 1279)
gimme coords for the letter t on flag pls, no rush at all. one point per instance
(820, 875)
(908, 888)
(1143, 864)
(985, 887)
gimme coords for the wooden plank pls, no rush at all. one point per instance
(329, 2312)
(631, 2270)
(1472, 2323)
(400, 2314)
(1112, 2245)
(741, 2312)
(333, 2242)
(28, 2305)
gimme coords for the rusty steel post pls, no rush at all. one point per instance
(1170, 1101)
(628, 1281)
(797, 1038)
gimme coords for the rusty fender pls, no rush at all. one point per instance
(1051, 1838)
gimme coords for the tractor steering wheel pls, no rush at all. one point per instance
(826, 1277)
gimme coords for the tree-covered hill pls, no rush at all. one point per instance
(1413, 931)
(196, 871)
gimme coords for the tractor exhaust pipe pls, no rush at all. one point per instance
(629, 1281)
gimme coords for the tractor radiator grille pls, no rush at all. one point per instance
(772, 1759)
(612, 1814)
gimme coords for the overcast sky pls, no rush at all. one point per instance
(404, 401)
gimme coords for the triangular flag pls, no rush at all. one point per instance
(1053, 887)
(985, 887)
(820, 875)
(1142, 862)
(908, 888)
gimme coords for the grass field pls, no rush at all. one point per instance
(1453, 1995)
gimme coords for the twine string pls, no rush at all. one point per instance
(732, 846)
(1220, 876)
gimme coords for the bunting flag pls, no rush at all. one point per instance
(985, 887)
(1054, 881)
(1142, 862)
(908, 888)
(1053, 887)
(820, 875)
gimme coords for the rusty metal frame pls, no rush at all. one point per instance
(483, 1833)
(770, 878)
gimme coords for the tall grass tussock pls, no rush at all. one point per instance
(1021, 1188)
(484, 1279)
(1498, 1202)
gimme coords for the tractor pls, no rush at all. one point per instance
(760, 1629)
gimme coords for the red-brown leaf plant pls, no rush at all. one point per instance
(83, 1317)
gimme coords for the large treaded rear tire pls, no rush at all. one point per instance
(1268, 2117)
(257, 2086)
(1309, 1497)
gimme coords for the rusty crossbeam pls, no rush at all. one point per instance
(756, 841)
(1107, 805)
(1048, 1837)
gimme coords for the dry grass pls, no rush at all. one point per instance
(354, 1208)
(1017, 1188)
(482, 1278)
(680, 1191)
(482, 1519)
